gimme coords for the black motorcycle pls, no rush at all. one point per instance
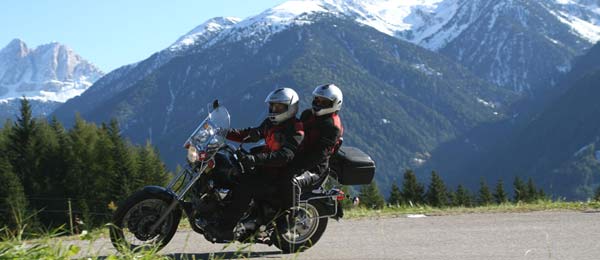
(150, 217)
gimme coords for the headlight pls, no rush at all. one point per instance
(192, 155)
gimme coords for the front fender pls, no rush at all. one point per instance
(186, 206)
(161, 191)
(170, 195)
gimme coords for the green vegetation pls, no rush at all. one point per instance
(46, 169)
(485, 196)
(439, 198)
(371, 197)
(395, 195)
(437, 195)
(412, 191)
(499, 194)
(510, 207)
(46, 244)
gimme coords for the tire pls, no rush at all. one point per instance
(282, 240)
(139, 202)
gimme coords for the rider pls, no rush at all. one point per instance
(282, 134)
(323, 131)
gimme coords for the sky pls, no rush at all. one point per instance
(112, 33)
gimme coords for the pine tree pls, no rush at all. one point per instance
(370, 196)
(12, 197)
(49, 172)
(463, 197)
(485, 196)
(151, 170)
(82, 162)
(532, 193)
(21, 147)
(597, 194)
(61, 158)
(125, 180)
(541, 194)
(395, 196)
(412, 190)
(500, 195)
(453, 199)
(520, 190)
(437, 195)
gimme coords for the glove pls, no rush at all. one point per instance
(254, 134)
(248, 161)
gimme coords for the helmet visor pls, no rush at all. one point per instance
(321, 102)
(277, 108)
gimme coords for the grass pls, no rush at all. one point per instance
(540, 205)
(23, 243)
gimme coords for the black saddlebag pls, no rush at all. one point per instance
(352, 166)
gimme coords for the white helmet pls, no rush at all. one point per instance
(286, 96)
(330, 92)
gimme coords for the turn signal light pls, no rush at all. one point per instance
(202, 156)
(341, 196)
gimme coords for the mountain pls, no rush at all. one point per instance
(558, 146)
(521, 45)
(398, 61)
(482, 35)
(398, 96)
(48, 75)
(126, 76)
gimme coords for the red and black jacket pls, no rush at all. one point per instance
(281, 141)
(322, 136)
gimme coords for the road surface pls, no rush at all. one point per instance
(501, 236)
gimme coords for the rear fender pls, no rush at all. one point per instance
(328, 205)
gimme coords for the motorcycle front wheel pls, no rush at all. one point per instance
(131, 228)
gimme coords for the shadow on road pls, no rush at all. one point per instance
(222, 255)
(205, 256)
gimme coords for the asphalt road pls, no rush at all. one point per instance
(538, 235)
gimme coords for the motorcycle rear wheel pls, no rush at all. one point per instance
(130, 229)
(307, 229)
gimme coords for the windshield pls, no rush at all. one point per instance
(210, 133)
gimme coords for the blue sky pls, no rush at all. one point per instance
(111, 33)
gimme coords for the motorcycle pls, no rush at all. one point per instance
(150, 217)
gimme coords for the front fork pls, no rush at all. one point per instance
(187, 174)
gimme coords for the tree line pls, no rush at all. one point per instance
(42, 164)
(439, 195)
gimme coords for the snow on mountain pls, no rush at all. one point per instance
(204, 32)
(432, 24)
(412, 20)
(583, 16)
(50, 72)
(428, 23)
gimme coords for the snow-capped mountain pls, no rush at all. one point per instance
(428, 23)
(204, 32)
(521, 45)
(124, 77)
(464, 30)
(50, 72)
(414, 98)
(396, 60)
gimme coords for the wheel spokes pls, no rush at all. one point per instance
(139, 220)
